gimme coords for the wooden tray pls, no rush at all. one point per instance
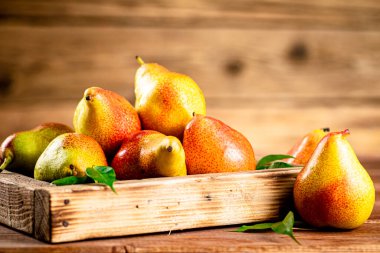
(70, 213)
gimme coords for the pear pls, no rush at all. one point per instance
(69, 155)
(211, 146)
(19, 152)
(305, 147)
(333, 189)
(165, 100)
(148, 154)
(107, 117)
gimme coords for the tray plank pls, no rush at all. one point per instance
(165, 204)
(17, 200)
(78, 212)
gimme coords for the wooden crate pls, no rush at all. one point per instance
(70, 213)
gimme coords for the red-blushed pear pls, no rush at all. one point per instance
(333, 189)
(148, 153)
(165, 100)
(212, 146)
(107, 117)
(305, 147)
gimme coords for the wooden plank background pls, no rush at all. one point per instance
(274, 70)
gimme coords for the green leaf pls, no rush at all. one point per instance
(276, 165)
(254, 227)
(70, 180)
(270, 158)
(284, 227)
(102, 174)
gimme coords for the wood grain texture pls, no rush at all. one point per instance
(168, 204)
(330, 68)
(17, 201)
(42, 214)
(239, 14)
(363, 239)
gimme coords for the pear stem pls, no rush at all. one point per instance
(345, 132)
(7, 160)
(326, 129)
(139, 60)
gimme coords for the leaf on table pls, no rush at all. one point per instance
(284, 227)
(102, 174)
(254, 227)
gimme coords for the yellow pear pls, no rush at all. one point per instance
(165, 100)
(333, 189)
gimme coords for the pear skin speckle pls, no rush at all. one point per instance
(166, 100)
(27, 146)
(305, 147)
(107, 117)
(333, 189)
(69, 154)
(211, 146)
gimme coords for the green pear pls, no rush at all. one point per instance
(19, 152)
(69, 155)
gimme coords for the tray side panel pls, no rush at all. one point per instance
(166, 204)
(42, 229)
(17, 200)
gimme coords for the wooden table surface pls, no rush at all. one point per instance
(363, 239)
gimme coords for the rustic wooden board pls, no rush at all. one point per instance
(325, 14)
(17, 200)
(60, 62)
(71, 213)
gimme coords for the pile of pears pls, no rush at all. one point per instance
(167, 133)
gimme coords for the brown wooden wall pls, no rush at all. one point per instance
(272, 69)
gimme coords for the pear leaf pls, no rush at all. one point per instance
(280, 165)
(69, 180)
(254, 227)
(284, 227)
(266, 161)
(102, 174)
